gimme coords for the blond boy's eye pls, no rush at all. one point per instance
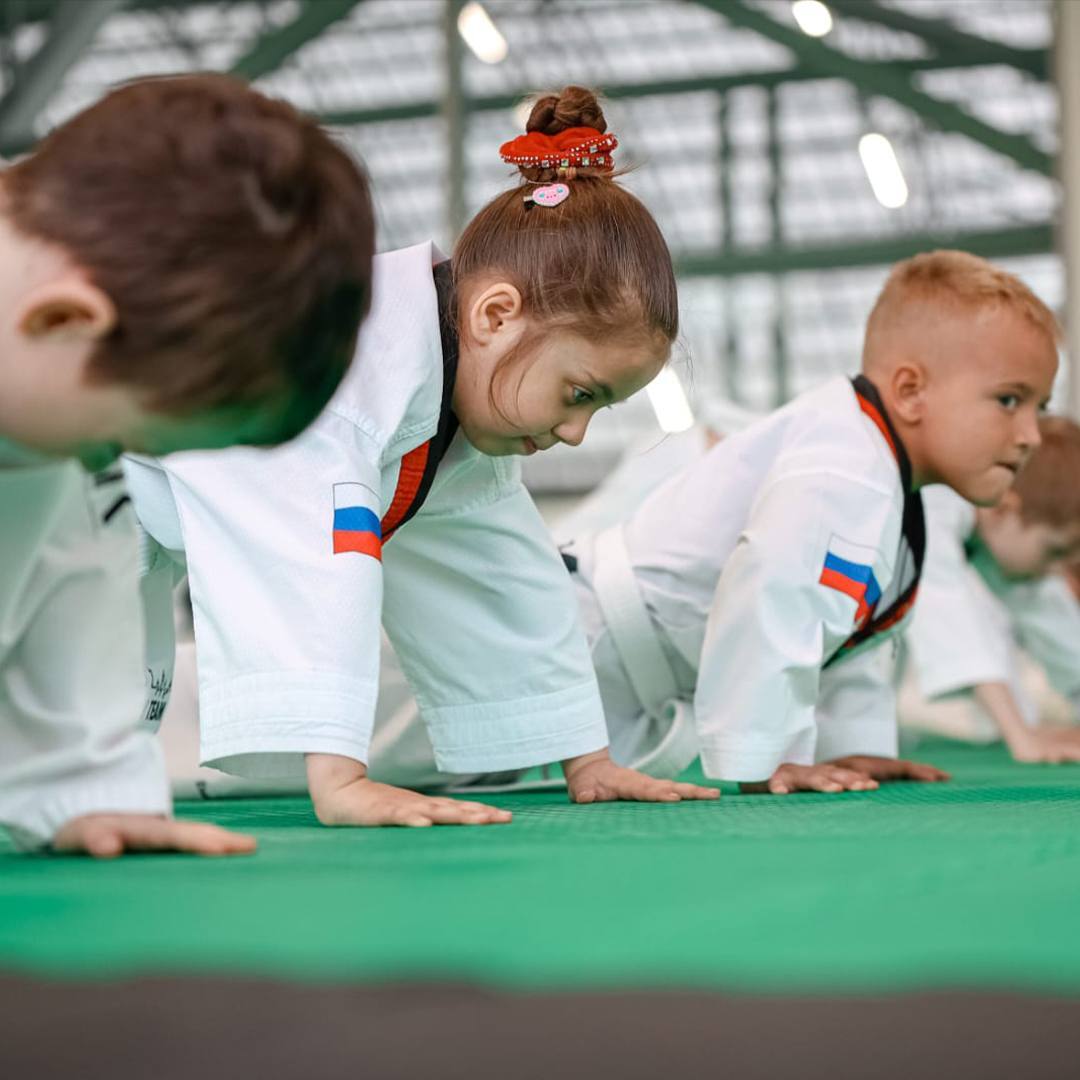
(1009, 401)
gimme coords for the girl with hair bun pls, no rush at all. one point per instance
(403, 506)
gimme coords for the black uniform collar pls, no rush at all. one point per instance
(870, 402)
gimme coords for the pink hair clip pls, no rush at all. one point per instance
(547, 195)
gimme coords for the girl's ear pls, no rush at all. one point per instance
(493, 311)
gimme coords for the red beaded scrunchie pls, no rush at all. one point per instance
(578, 147)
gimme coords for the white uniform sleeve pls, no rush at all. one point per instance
(957, 638)
(773, 624)
(856, 711)
(71, 656)
(1046, 621)
(159, 574)
(287, 631)
(490, 639)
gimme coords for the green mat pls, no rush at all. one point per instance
(972, 883)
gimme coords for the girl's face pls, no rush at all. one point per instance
(551, 395)
(547, 396)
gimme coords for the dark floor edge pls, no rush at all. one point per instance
(180, 1028)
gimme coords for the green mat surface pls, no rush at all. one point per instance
(975, 883)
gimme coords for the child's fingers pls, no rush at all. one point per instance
(781, 782)
(915, 770)
(646, 789)
(824, 783)
(484, 810)
(102, 842)
(451, 812)
(851, 779)
(696, 791)
(198, 839)
(112, 835)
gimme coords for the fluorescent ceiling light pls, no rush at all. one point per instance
(481, 34)
(813, 17)
(669, 402)
(883, 171)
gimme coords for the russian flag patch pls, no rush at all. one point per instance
(356, 526)
(849, 569)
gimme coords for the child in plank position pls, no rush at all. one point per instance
(184, 264)
(741, 610)
(990, 589)
(404, 506)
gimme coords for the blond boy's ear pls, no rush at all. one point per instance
(69, 308)
(908, 384)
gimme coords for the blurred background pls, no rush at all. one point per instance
(790, 151)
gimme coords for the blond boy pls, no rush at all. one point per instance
(741, 610)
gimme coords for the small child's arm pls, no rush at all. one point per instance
(776, 620)
(76, 771)
(959, 641)
(1026, 743)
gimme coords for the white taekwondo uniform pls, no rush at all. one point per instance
(71, 651)
(736, 611)
(381, 511)
(972, 622)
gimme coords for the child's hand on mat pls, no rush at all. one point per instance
(883, 768)
(107, 835)
(829, 778)
(343, 795)
(596, 778)
(1053, 746)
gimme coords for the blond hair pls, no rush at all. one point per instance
(1049, 484)
(949, 281)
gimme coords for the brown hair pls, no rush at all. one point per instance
(596, 264)
(956, 280)
(233, 236)
(1049, 484)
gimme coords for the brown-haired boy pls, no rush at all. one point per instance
(739, 610)
(991, 589)
(183, 265)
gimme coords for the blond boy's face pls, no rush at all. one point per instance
(985, 390)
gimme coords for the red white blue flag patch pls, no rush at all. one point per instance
(356, 526)
(849, 569)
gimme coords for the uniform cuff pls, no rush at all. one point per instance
(856, 737)
(140, 787)
(261, 725)
(480, 737)
(747, 766)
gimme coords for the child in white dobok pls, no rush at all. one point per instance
(403, 509)
(739, 612)
(992, 602)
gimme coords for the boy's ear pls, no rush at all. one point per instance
(69, 308)
(492, 309)
(908, 385)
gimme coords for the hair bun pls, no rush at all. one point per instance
(573, 107)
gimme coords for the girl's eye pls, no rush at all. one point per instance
(580, 396)
(1008, 401)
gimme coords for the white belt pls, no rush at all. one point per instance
(636, 641)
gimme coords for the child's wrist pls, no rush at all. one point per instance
(572, 766)
(329, 773)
